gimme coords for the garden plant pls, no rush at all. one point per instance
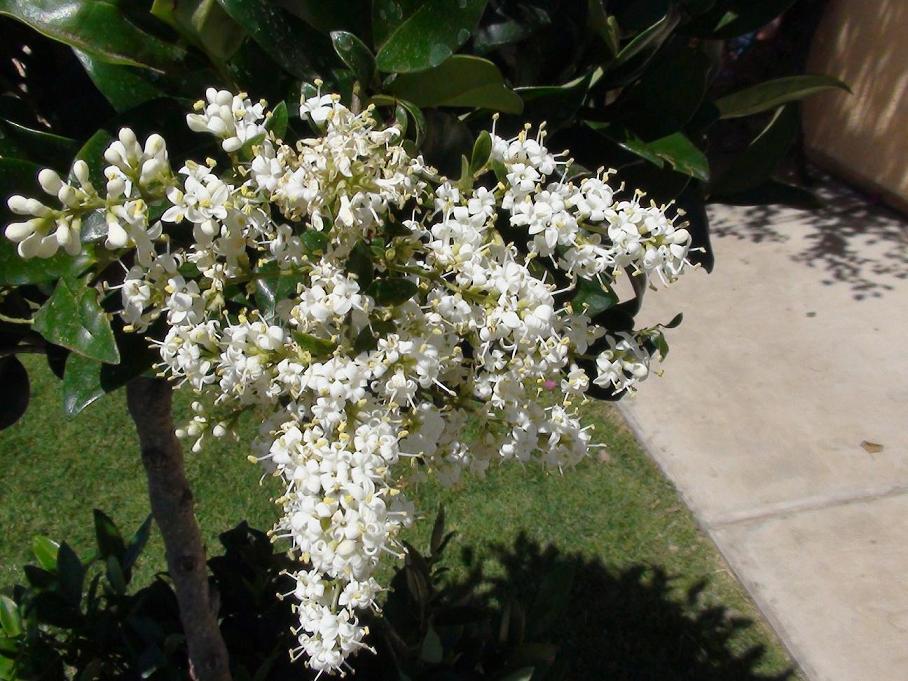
(424, 222)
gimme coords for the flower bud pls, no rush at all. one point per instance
(80, 170)
(18, 231)
(50, 181)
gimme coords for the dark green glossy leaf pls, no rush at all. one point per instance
(317, 347)
(45, 552)
(110, 542)
(447, 139)
(287, 40)
(272, 285)
(773, 93)
(315, 242)
(359, 264)
(682, 154)
(10, 621)
(732, 18)
(355, 54)
(667, 96)
(431, 650)
(71, 573)
(367, 339)
(137, 544)
(97, 26)
(392, 290)
(115, 576)
(591, 298)
(73, 318)
(39, 146)
(461, 81)
(482, 150)
(123, 86)
(554, 104)
(648, 41)
(675, 321)
(349, 15)
(419, 120)
(755, 165)
(277, 123)
(16, 390)
(203, 23)
(92, 152)
(415, 35)
(87, 380)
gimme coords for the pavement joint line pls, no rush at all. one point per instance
(794, 507)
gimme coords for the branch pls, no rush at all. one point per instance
(149, 401)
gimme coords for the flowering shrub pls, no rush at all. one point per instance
(369, 309)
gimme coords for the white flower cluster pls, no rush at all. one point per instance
(372, 311)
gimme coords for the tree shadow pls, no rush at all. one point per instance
(852, 238)
(628, 623)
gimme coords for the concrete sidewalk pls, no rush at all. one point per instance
(782, 417)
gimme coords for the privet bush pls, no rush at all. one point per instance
(366, 308)
(372, 262)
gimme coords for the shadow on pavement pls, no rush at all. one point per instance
(853, 239)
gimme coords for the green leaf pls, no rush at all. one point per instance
(96, 26)
(318, 347)
(137, 544)
(774, 93)
(16, 390)
(755, 165)
(73, 318)
(45, 551)
(482, 150)
(592, 298)
(648, 41)
(555, 104)
(392, 291)
(86, 380)
(71, 573)
(277, 122)
(283, 37)
(39, 146)
(110, 542)
(367, 339)
(736, 17)
(115, 576)
(272, 285)
(682, 154)
(415, 35)
(20, 177)
(667, 95)
(431, 650)
(204, 24)
(315, 242)
(419, 121)
(349, 15)
(10, 620)
(92, 152)
(461, 81)
(355, 54)
(359, 264)
(123, 86)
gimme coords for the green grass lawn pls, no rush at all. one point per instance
(653, 599)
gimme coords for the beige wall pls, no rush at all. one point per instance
(863, 136)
